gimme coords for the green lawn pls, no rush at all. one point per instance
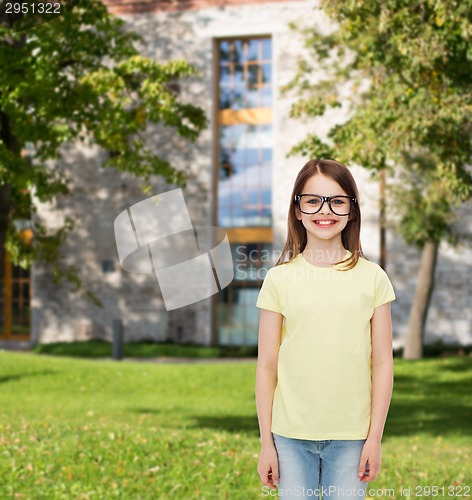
(77, 428)
(103, 349)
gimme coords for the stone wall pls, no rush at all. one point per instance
(98, 196)
(450, 314)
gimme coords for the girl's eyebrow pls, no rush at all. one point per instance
(331, 196)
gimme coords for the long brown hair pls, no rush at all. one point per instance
(350, 236)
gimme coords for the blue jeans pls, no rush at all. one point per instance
(319, 469)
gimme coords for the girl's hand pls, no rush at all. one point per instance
(268, 466)
(371, 460)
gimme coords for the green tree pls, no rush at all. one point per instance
(79, 77)
(406, 68)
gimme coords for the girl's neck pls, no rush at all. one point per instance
(324, 253)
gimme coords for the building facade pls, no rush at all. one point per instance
(240, 179)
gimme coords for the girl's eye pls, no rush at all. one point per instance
(338, 201)
(313, 201)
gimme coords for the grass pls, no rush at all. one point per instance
(102, 349)
(89, 429)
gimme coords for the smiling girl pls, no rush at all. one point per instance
(325, 322)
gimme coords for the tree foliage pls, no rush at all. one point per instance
(406, 69)
(79, 77)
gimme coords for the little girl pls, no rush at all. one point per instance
(325, 321)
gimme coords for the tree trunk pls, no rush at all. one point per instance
(383, 221)
(6, 207)
(414, 340)
(5, 214)
(10, 141)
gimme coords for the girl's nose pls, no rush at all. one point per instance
(325, 208)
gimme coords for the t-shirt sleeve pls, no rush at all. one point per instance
(383, 288)
(269, 297)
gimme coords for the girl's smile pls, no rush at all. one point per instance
(325, 223)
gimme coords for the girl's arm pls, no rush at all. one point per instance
(382, 387)
(270, 328)
(382, 369)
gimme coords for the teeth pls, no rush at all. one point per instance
(324, 223)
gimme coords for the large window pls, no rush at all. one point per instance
(245, 132)
(238, 318)
(244, 180)
(14, 301)
(244, 193)
(245, 74)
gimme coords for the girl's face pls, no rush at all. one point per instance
(324, 225)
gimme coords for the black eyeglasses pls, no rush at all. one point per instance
(312, 203)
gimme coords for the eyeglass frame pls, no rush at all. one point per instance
(326, 199)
